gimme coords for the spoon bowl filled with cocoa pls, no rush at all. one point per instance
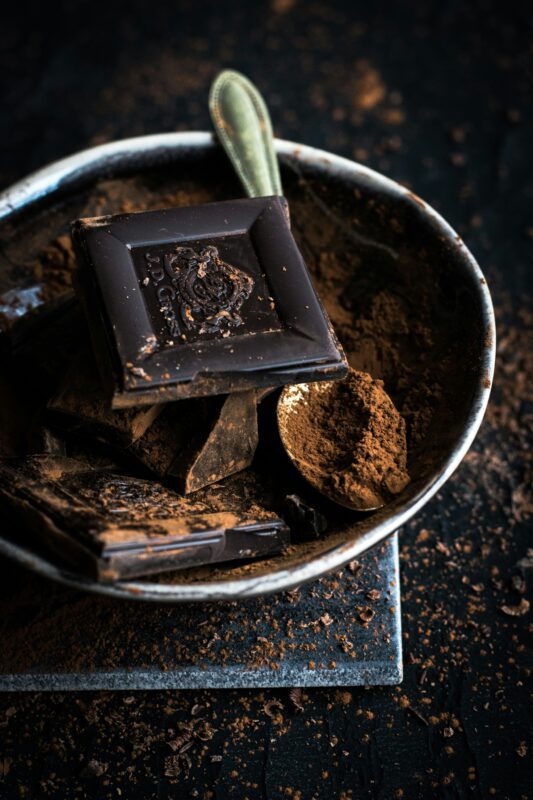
(220, 447)
(347, 439)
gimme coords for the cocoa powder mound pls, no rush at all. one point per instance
(348, 439)
(383, 309)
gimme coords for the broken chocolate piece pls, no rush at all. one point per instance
(202, 300)
(113, 526)
(302, 518)
(197, 441)
(80, 405)
(201, 441)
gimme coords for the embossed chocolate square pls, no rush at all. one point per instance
(203, 300)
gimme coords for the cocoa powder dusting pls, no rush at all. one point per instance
(348, 439)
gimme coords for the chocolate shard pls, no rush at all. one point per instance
(302, 518)
(24, 316)
(201, 441)
(198, 441)
(43, 440)
(81, 405)
(112, 526)
(203, 300)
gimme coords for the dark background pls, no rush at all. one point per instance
(438, 96)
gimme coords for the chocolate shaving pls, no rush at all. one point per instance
(517, 610)
(295, 696)
(270, 708)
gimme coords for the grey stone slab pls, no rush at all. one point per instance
(55, 639)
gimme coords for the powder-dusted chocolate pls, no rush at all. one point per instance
(112, 526)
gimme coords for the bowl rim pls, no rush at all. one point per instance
(58, 175)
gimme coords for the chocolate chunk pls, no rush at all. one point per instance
(302, 518)
(81, 405)
(112, 526)
(197, 441)
(201, 441)
(203, 300)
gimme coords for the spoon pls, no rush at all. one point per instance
(291, 409)
(242, 123)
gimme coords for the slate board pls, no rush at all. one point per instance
(55, 639)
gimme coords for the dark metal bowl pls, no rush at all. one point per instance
(457, 279)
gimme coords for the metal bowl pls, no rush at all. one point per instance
(456, 273)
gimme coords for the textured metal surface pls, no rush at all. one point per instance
(141, 152)
(220, 646)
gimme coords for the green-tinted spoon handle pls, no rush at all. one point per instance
(242, 122)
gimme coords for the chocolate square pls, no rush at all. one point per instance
(202, 300)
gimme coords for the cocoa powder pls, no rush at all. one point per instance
(347, 439)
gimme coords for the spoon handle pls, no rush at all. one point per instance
(242, 122)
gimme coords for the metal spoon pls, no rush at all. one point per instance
(289, 408)
(243, 125)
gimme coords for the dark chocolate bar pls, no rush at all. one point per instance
(202, 440)
(203, 300)
(112, 526)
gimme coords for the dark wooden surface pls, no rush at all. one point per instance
(437, 95)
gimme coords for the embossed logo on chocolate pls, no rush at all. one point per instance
(197, 291)
(210, 292)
